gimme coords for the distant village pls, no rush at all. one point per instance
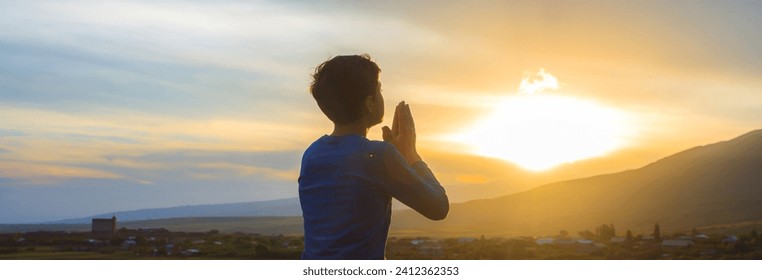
(604, 243)
(105, 241)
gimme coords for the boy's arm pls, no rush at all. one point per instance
(415, 185)
(409, 178)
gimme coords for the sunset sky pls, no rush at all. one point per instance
(120, 105)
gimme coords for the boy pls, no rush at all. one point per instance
(347, 181)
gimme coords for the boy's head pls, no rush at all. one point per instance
(347, 90)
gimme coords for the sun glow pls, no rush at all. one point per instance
(541, 131)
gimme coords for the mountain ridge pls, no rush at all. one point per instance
(710, 184)
(276, 208)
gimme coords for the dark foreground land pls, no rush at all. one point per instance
(127, 244)
(160, 243)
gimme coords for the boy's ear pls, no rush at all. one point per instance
(369, 103)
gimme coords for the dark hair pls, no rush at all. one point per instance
(341, 85)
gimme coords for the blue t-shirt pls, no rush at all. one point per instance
(345, 188)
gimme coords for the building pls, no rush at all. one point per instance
(104, 226)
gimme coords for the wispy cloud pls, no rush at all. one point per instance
(29, 173)
(118, 145)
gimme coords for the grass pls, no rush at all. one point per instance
(50, 253)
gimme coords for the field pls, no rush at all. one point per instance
(724, 242)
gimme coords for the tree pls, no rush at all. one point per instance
(629, 235)
(605, 232)
(657, 232)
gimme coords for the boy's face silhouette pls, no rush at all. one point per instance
(374, 105)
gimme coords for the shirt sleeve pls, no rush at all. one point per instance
(415, 185)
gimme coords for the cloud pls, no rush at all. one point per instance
(29, 173)
(136, 130)
(139, 147)
(242, 166)
(250, 171)
(227, 61)
(251, 36)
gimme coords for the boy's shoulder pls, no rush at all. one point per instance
(355, 143)
(380, 146)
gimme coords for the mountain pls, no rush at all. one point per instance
(707, 185)
(261, 225)
(279, 208)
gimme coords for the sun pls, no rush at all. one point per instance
(541, 131)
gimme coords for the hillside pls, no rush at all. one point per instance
(707, 185)
(472, 177)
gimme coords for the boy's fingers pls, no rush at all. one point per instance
(396, 122)
(387, 133)
(409, 118)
